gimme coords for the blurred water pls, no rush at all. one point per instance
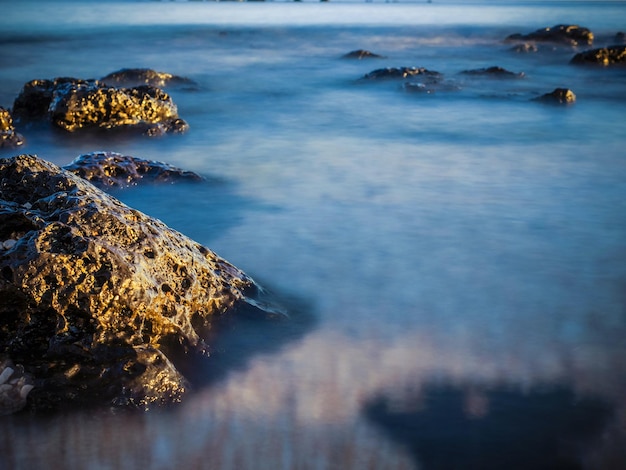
(469, 237)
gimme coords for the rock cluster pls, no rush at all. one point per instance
(74, 104)
(102, 304)
(111, 169)
(605, 56)
(571, 35)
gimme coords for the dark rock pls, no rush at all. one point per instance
(8, 136)
(620, 38)
(558, 96)
(110, 169)
(136, 77)
(101, 304)
(362, 54)
(496, 72)
(75, 104)
(400, 72)
(572, 35)
(14, 387)
(605, 56)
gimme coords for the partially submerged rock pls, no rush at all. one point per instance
(8, 136)
(111, 169)
(572, 35)
(605, 56)
(74, 104)
(14, 387)
(362, 54)
(558, 96)
(400, 72)
(141, 76)
(495, 72)
(100, 303)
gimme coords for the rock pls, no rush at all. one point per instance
(496, 72)
(136, 77)
(362, 54)
(101, 304)
(110, 169)
(620, 38)
(572, 35)
(605, 56)
(401, 72)
(558, 96)
(75, 104)
(14, 387)
(8, 136)
(525, 48)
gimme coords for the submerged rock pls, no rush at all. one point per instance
(8, 136)
(605, 56)
(136, 77)
(400, 72)
(74, 104)
(362, 54)
(572, 35)
(525, 48)
(558, 96)
(100, 303)
(496, 72)
(111, 169)
(14, 387)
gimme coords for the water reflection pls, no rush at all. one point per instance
(453, 426)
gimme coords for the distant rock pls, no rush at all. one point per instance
(605, 56)
(9, 138)
(74, 105)
(362, 54)
(401, 72)
(572, 35)
(620, 38)
(101, 304)
(525, 48)
(110, 169)
(137, 77)
(558, 96)
(495, 72)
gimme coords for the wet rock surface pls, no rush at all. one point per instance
(75, 104)
(101, 304)
(558, 96)
(140, 76)
(111, 169)
(401, 73)
(571, 35)
(9, 138)
(495, 72)
(604, 56)
(362, 54)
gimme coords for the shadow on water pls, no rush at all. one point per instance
(468, 427)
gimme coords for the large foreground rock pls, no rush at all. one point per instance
(74, 104)
(99, 303)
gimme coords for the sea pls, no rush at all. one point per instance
(452, 255)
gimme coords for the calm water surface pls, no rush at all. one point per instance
(461, 253)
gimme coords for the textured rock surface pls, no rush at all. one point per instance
(401, 72)
(100, 303)
(110, 169)
(496, 72)
(612, 55)
(8, 137)
(572, 35)
(362, 54)
(558, 96)
(74, 104)
(136, 77)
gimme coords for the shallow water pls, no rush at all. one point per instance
(464, 247)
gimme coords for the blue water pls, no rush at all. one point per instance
(470, 239)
